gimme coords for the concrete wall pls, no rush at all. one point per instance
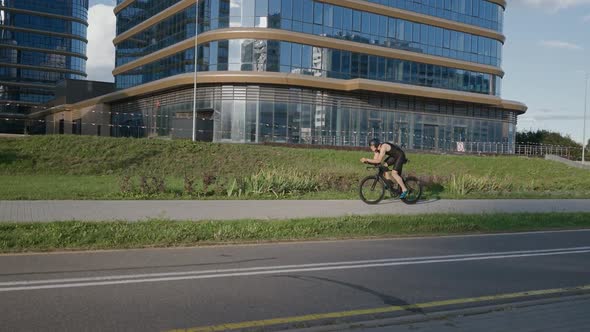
(92, 118)
(70, 91)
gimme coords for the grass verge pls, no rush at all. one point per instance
(75, 235)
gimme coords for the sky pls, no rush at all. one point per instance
(545, 57)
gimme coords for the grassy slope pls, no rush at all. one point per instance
(60, 167)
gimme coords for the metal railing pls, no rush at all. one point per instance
(541, 150)
(407, 141)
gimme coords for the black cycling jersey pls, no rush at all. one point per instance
(395, 152)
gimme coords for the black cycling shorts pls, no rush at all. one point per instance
(396, 163)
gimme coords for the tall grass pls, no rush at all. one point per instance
(464, 184)
(278, 182)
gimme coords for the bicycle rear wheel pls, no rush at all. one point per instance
(414, 190)
(371, 190)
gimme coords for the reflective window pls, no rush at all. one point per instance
(252, 55)
(475, 12)
(74, 8)
(363, 27)
(270, 113)
(177, 64)
(45, 24)
(25, 94)
(169, 32)
(11, 56)
(320, 19)
(9, 74)
(140, 11)
(30, 39)
(42, 59)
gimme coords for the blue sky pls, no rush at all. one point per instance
(545, 56)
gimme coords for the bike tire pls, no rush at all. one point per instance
(376, 186)
(414, 190)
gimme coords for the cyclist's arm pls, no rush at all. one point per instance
(377, 158)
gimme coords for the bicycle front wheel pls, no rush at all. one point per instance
(371, 190)
(414, 190)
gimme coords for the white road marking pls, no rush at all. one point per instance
(266, 270)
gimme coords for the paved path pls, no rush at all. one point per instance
(300, 284)
(577, 164)
(38, 211)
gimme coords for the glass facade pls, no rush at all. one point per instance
(47, 24)
(140, 11)
(320, 19)
(480, 13)
(259, 113)
(44, 41)
(73, 8)
(476, 12)
(25, 94)
(45, 60)
(177, 28)
(39, 56)
(275, 56)
(292, 114)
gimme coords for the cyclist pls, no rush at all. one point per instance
(391, 155)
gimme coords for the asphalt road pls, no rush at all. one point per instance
(566, 314)
(40, 211)
(295, 285)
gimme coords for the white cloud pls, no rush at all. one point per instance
(101, 51)
(560, 44)
(547, 114)
(553, 4)
(104, 2)
(559, 117)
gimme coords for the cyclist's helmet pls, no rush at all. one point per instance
(374, 142)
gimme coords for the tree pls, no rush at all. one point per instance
(551, 138)
(546, 137)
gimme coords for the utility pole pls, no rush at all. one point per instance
(195, 74)
(585, 108)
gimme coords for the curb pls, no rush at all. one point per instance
(440, 315)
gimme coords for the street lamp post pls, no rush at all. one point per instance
(585, 108)
(195, 71)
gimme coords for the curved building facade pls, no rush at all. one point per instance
(422, 74)
(41, 42)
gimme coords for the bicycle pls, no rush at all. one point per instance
(372, 188)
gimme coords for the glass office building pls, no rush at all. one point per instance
(41, 42)
(425, 74)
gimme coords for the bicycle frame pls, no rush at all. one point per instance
(381, 170)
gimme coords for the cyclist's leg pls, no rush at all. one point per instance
(389, 162)
(397, 172)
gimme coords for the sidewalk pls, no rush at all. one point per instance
(44, 211)
(577, 164)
